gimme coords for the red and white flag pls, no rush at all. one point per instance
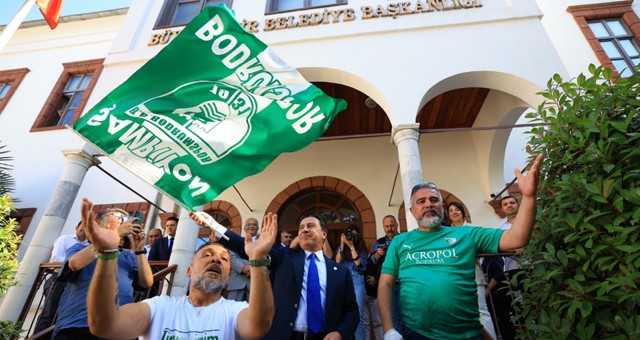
(51, 10)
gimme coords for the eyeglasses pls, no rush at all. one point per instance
(119, 215)
(428, 185)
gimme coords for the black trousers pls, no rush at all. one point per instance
(80, 333)
(307, 336)
(52, 301)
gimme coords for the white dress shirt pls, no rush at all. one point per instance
(148, 248)
(60, 246)
(301, 319)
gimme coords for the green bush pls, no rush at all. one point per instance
(7, 181)
(584, 253)
(9, 244)
(9, 330)
(8, 260)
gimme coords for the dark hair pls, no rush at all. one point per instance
(359, 243)
(173, 218)
(390, 216)
(427, 185)
(507, 197)
(126, 242)
(457, 205)
(323, 225)
(285, 232)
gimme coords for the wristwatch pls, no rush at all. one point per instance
(260, 262)
(140, 252)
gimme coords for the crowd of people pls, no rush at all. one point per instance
(423, 284)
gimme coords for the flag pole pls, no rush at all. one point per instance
(12, 27)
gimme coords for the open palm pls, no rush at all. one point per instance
(528, 183)
(259, 248)
(101, 238)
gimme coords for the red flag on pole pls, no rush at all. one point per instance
(51, 10)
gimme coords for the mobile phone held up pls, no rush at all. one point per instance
(139, 215)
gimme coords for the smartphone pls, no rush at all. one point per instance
(139, 215)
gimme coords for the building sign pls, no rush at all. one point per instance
(328, 16)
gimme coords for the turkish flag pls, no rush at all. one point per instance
(51, 10)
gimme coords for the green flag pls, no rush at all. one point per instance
(214, 106)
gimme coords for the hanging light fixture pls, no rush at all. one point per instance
(370, 103)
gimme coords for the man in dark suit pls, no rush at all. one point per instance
(300, 313)
(161, 248)
(285, 239)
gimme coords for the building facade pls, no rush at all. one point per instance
(433, 87)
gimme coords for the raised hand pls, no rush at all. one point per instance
(349, 243)
(137, 241)
(129, 227)
(201, 218)
(529, 183)
(102, 238)
(259, 248)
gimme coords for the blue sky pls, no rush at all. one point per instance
(9, 8)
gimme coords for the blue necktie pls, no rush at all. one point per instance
(315, 318)
(170, 243)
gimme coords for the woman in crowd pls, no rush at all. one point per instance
(457, 216)
(352, 253)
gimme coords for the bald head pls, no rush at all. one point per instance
(251, 226)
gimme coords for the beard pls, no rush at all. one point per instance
(210, 285)
(430, 222)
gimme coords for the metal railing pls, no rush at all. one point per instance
(164, 277)
(161, 279)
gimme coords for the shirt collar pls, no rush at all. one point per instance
(319, 255)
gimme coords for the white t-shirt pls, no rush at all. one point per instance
(176, 318)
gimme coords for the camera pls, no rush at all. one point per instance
(383, 246)
(350, 236)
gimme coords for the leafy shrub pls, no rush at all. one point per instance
(9, 330)
(584, 253)
(9, 244)
(8, 261)
(7, 181)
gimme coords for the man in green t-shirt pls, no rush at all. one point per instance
(435, 265)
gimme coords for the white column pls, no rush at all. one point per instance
(406, 137)
(152, 214)
(49, 228)
(183, 248)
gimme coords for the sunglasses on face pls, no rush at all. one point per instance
(120, 216)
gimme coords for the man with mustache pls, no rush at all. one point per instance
(204, 313)
(435, 265)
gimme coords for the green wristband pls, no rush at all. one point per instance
(111, 256)
(260, 262)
